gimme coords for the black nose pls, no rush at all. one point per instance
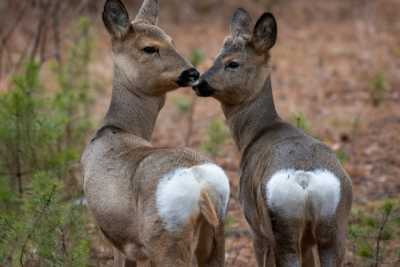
(188, 77)
(203, 89)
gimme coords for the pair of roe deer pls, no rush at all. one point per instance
(166, 206)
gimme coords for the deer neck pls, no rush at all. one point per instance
(252, 119)
(130, 109)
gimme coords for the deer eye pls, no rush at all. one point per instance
(232, 65)
(150, 50)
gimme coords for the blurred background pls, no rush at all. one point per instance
(336, 74)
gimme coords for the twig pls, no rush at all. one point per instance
(7, 58)
(43, 8)
(83, 4)
(63, 242)
(4, 39)
(379, 237)
(354, 133)
(21, 58)
(68, 10)
(40, 26)
(23, 173)
(1, 63)
(56, 31)
(18, 171)
(42, 52)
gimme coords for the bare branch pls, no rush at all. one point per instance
(6, 36)
(56, 30)
(38, 33)
(385, 219)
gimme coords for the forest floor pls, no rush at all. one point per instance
(336, 66)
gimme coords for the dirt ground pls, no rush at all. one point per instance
(326, 64)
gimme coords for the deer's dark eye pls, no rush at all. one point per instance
(150, 50)
(232, 65)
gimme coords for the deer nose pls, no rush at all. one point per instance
(188, 77)
(202, 88)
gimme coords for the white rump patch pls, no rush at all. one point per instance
(289, 191)
(178, 193)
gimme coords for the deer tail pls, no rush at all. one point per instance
(207, 208)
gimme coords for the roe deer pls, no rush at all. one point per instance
(157, 206)
(294, 193)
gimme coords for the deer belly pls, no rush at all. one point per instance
(303, 194)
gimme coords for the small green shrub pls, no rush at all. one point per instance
(43, 228)
(371, 232)
(229, 221)
(217, 134)
(300, 121)
(197, 57)
(182, 104)
(342, 156)
(356, 231)
(387, 207)
(365, 250)
(41, 136)
(396, 51)
(378, 89)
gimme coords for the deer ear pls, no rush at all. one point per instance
(240, 23)
(116, 18)
(265, 33)
(148, 13)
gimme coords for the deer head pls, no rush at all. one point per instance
(241, 68)
(143, 52)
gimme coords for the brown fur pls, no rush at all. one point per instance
(122, 169)
(267, 145)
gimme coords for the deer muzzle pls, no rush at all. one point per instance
(203, 88)
(188, 77)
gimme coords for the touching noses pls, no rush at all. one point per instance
(202, 88)
(188, 77)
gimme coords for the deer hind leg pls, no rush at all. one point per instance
(331, 244)
(129, 263)
(331, 255)
(260, 251)
(210, 251)
(309, 250)
(310, 257)
(263, 252)
(288, 242)
(121, 261)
